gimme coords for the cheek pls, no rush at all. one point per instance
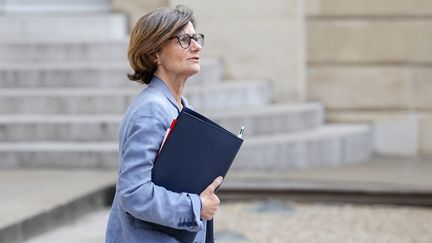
(171, 60)
(180, 58)
(174, 59)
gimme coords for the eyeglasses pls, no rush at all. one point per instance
(185, 39)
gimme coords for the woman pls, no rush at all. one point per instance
(164, 51)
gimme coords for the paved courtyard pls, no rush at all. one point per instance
(283, 221)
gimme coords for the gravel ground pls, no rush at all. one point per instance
(282, 221)
(276, 221)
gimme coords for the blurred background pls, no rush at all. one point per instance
(334, 95)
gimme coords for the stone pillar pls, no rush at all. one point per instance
(371, 61)
(256, 41)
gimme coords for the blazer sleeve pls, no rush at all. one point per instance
(138, 195)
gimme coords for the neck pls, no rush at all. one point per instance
(175, 84)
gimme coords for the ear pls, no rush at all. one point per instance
(155, 57)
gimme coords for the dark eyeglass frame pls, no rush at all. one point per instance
(198, 38)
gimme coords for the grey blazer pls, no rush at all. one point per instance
(137, 200)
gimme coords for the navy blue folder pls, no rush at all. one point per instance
(196, 151)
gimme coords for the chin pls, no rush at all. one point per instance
(194, 71)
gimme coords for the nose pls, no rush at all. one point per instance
(195, 46)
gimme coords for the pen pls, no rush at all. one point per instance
(240, 134)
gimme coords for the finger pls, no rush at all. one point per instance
(209, 216)
(217, 200)
(212, 187)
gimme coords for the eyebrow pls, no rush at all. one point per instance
(188, 33)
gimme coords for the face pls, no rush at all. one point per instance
(173, 60)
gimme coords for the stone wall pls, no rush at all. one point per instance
(259, 41)
(371, 61)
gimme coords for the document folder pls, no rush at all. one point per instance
(196, 151)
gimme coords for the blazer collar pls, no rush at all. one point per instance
(161, 86)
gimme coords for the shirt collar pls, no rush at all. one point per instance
(161, 86)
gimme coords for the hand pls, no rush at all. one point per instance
(209, 201)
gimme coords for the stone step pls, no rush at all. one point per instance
(273, 119)
(328, 145)
(229, 94)
(63, 74)
(116, 100)
(72, 128)
(270, 119)
(59, 154)
(324, 146)
(37, 201)
(88, 74)
(62, 50)
(52, 25)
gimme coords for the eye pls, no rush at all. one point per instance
(184, 39)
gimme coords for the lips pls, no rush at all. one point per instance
(194, 58)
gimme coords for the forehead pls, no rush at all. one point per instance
(188, 29)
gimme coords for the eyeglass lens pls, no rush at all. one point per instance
(185, 39)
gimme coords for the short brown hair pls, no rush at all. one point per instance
(148, 36)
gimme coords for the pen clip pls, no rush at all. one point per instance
(240, 134)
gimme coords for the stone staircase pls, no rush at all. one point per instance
(63, 90)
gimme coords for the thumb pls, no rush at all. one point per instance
(217, 182)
